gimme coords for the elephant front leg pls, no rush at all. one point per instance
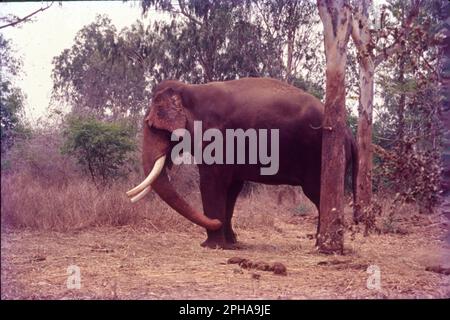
(233, 193)
(214, 198)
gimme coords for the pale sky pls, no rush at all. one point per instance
(51, 32)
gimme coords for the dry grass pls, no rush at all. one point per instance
(157, 254)
(29, 202)
(145, 264)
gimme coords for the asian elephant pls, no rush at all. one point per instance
(248, 103)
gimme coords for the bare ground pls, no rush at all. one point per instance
(147, 263)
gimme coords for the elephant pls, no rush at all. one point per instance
(258, 103)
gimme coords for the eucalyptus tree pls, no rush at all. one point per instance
(12, 98)
(99, 75)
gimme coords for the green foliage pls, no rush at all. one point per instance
(102, 149)
(11, 99)
(109, 74)
(310, 87)
(99, 74)
(11, 109)
(408, 121)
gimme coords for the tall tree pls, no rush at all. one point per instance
(99, 74)
(368, 61)
(289, 32)
(207, 38)
(222, 40)
(336, 19)
(445, 105)
(362, 39)
(11, 97)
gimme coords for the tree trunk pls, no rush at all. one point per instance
(367, 64)
(336, 19)
(401, 106)
(290, 41)
(362, 39)
(290, 52)
(445, 113)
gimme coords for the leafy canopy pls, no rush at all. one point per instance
(102, 149)
(11, 97)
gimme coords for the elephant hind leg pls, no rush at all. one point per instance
(312, 190)
(313, 194)
(233, 193)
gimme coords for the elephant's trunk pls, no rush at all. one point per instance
(155, 148)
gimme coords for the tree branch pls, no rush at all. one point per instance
(387, 52)
(183, 11)
(406, 26)
(325, 16)
(263, 17)
(360, 30)
(20, 20)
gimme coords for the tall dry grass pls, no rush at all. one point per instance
(267, 204)
(30, 202)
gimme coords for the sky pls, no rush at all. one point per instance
(52, 31)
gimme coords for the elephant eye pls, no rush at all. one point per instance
(161, 112)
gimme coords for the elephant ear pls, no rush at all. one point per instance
(167, 112)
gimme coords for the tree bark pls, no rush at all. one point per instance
(290, 52)
(362, 39)
(401, 106)
(336, 19)
(445, 112)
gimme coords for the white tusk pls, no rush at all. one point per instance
(141, 195)
(157, 168)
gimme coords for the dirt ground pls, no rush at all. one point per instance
(145, 263)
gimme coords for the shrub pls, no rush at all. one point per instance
(40, 157)
(413, 174)
(102, 149)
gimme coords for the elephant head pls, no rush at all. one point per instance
(166, 114)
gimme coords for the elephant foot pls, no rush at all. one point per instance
(214, 244)
(230, 237)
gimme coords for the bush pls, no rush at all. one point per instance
(102, 149)
(40, 157)
(413, 174)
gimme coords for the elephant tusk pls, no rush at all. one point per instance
(157, 168)
(140, 195)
